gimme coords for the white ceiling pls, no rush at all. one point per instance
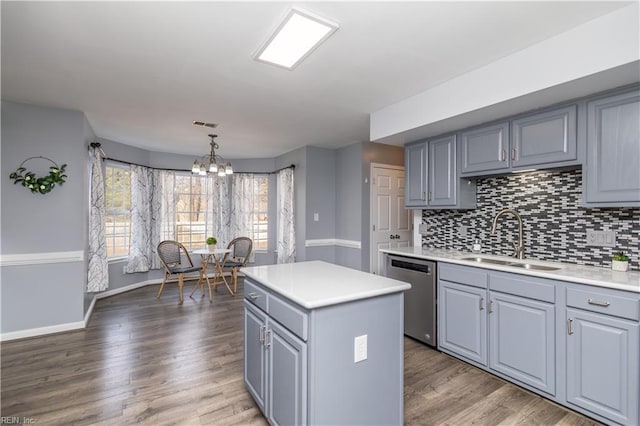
(142, 71)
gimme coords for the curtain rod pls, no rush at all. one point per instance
(291, 166)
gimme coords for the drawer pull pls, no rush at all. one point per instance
(569, 326)
(262, 328)
(253, 296)
(597, 303)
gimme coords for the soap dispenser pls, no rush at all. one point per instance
(476, 246)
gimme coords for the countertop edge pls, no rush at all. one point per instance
(362, 295)
(530, 272)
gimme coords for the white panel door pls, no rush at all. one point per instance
(390, 221)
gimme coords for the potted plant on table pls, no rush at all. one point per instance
(620, 262)
(211, 243)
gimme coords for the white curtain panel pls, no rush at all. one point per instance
(242, 196)
(219, 209)
(286, 218)
(156, 216)
(140, 254)
(98, 265)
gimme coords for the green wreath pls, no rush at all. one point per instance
(39, 185)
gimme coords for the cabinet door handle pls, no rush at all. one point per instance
(504, 155)
(424, 195)
(267, 338)
(597, 303)
(262, 328)
(569, 326)
(253, 296)
(429, 195)
(482, 303)
(490, 306)
(513, 154)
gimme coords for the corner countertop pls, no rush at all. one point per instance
(601, 277)
(316, 284)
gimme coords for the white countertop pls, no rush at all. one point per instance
(601, 277)
(316, 284)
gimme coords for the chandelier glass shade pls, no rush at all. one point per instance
(212, 163)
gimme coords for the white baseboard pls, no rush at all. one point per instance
(40, 331)
(333, 242)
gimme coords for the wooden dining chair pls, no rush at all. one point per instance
(171, 254)
(240, 252)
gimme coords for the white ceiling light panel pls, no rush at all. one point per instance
(295, 38)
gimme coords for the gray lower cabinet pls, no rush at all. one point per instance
(602, 365)
(522, 340)
(576, 344)
(462, 322)
(611, 174)
(286, 376)
(299, 363)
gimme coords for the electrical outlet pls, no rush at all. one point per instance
(462, 231)
(360, 348)
(423, 229)
(316, 217)
(601, 238)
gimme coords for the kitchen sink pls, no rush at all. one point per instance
(512, 263)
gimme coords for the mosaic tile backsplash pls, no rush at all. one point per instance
(555, 223)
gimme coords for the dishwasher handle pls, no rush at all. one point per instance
(419, 267)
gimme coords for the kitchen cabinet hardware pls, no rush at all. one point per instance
(424, 195)
(569, 326)
(504, 155)
(482, 303)
(513, 154)
(429, 196)
(253, 296)
(267, 338)
(598, 303)
(261, 333)
(490, 306)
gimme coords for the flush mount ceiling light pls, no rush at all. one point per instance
(212, 163)
(296, 37)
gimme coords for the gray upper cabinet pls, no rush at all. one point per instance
(432, 180)
(484, 149)
(442, 172)
(415, 160)
(544, 138)
(612, 171)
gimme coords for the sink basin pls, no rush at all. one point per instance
(512, 263)
(486, 260)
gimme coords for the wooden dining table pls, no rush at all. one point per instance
(213, 257)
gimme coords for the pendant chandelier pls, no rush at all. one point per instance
(212, 163)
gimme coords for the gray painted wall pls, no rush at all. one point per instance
(349, 209)
(46, 294)
(321, 200)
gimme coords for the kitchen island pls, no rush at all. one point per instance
(323, 344)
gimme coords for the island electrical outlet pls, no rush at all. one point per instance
(360, 348)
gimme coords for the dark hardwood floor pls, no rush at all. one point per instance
(144, 361)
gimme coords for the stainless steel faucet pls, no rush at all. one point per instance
(518, 247)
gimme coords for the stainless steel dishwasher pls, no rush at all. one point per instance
(420, 301)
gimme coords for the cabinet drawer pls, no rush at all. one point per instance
(294, 319)
(463, 274)
(606, 302)
(522, 285)
(255, 294)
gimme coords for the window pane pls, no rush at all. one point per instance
(118, 216)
